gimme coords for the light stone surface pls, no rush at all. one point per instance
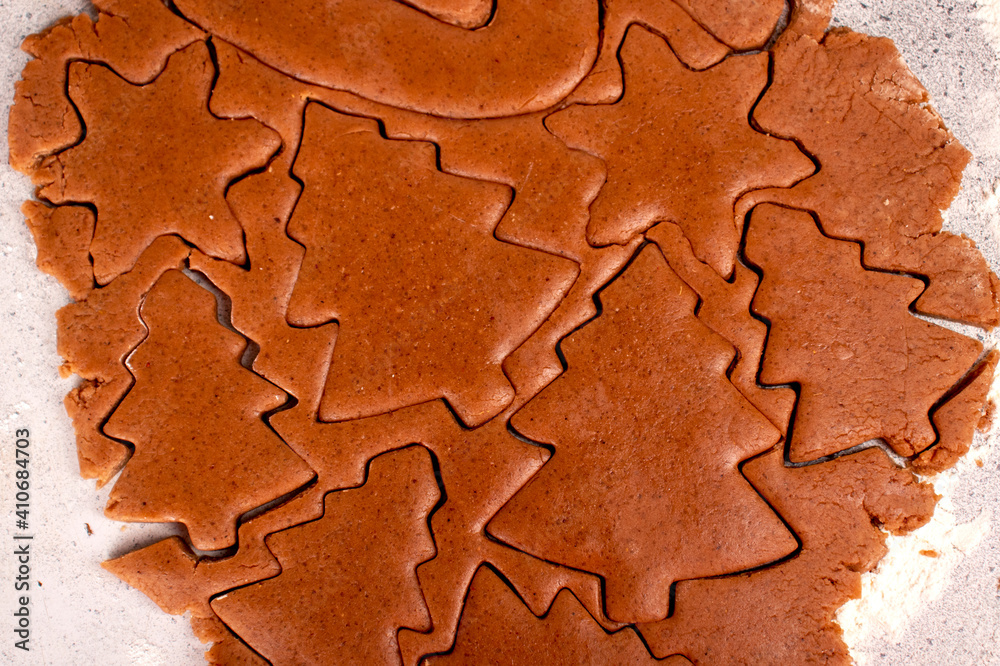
(80, 613)
(950, 612)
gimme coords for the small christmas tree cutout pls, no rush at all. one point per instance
(644, 487)
(203, 455)
(866, 367)
(348, 580)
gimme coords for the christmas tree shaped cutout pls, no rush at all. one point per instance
(203, 455)
(348, 580)
(865, 366)
(404, 257)
(644, 487)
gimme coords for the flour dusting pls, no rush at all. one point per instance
(989, 13)
(917, 569)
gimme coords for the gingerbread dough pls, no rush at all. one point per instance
(957, 419)
(529, 56)
(463, 13)
(725, 308)
(414, 208)
(693, 46)
(168, 573)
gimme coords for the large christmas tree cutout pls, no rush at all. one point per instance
(643, 487)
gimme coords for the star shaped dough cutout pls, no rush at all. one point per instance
(155, 161)
(679, 148)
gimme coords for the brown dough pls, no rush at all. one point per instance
(784, 614)
(498, 628)
(694, 47)
(463, 13)
(529, 56)
(694, 179)
(957, 420)
(227, 649)
(62, 236)
(382, 227)
(866, 366)
(554, 186)
(203, 455)
(295, 359)
(168, 184)
(480, 470)
(643, 487)
(866, 118)
(725, 308)
(740, 24)
(347, 581)
(95, 336)
(133, 37)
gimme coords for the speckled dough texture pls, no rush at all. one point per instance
(452, 331)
